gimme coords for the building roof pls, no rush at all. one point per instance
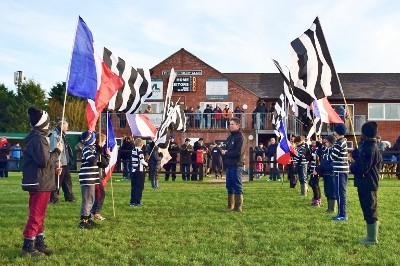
(183, 51)
(356, 86)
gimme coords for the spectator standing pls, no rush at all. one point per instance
(198, 145)
(207, 114)
(274, 173)
(186, 152)
(366, 168)
(260, 151)
(226, 114)
(197, 117)
(216, 159)
(15, 154)
(58, 134)
(4, 157)
(261, 111)
(234, 156)
(382, 145)
(170, 166)
(154, 164)
(125, 155)
(38, 179)
(396, 148)
(217, 116)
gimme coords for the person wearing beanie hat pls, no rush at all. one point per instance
(38, 179)
(38, 118)
(340, 159)
(340, 129)
(325, 169)
(89, 177)
(366, 167)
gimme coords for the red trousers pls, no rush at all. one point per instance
(38, 202)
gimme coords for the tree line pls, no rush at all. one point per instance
(14, 106)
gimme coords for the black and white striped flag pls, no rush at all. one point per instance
(168, 112)
(279, 114)
(179, 119)
(136, 88)
(312, 68)
(298, 98)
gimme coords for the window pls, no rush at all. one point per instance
(383, 111)
(214, 104)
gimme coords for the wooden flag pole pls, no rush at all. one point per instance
(341, 90)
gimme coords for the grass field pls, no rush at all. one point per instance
(184, 224)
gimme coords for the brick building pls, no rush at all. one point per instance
(369, 96)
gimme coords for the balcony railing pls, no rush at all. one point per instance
(260, 122)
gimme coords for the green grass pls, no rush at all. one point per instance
(184, 224)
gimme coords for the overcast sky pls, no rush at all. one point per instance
(230, 35)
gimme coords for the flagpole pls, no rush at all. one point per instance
(341, 89)
(65, 100)
(112, 188)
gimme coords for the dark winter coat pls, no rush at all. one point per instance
(235, 150)
(39, 163)
(367, 165)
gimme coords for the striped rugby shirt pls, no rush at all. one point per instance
(300, 158)
(138, 160)
(89, 173)
(339, 156)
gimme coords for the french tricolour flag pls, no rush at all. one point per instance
(112, 144)
(284, 147)
(89, 77)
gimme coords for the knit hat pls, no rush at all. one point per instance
(38, 118)
(340, 129)
(331, 139)
(369, 129)
(88, 137)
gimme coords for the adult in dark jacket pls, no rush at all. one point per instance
(216, 160)
(366, 168)
(396, 147)
(186, 152)
(64, 180)
(170, 166)
(234, 162)
(125, 155)
(38, 179)
(154, 165)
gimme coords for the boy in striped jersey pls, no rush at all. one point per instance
(339, 157)
(137, 175)
(88, 177)
(301, 168)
